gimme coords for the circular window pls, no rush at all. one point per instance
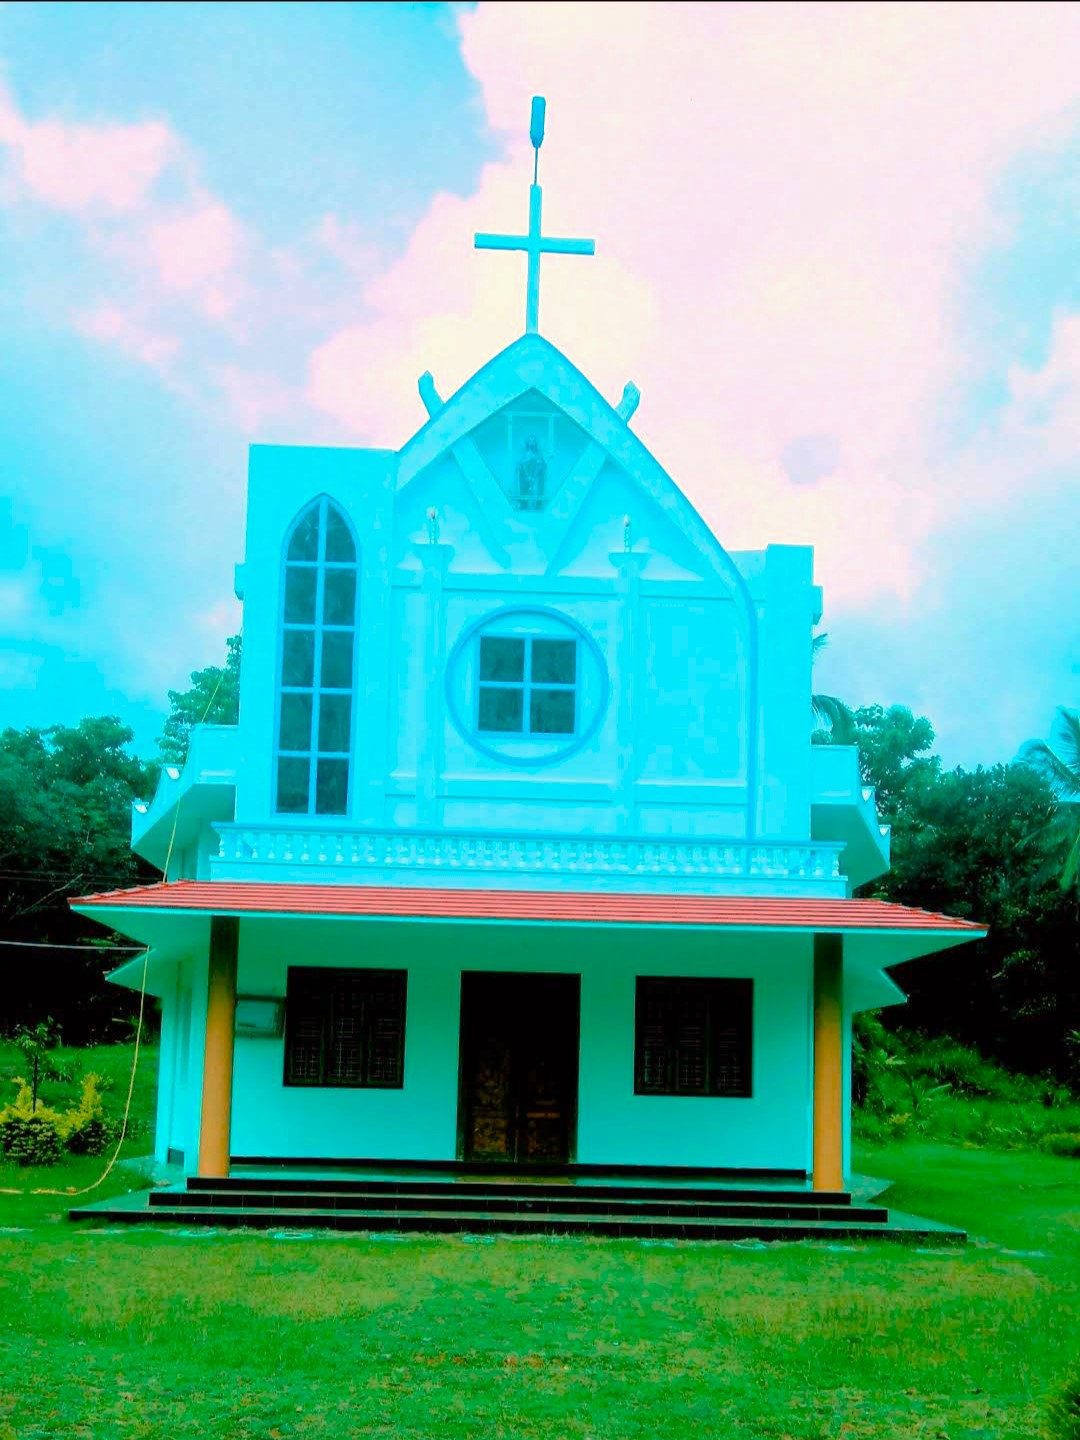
(526, 686)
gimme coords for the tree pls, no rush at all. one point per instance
(957, 846)
(65, 828)
(894, 757)
(1058, 764)
(213, 699)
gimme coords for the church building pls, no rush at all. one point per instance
(519, 854)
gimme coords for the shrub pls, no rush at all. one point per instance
(85, 1128)
(1062, 1142)
(30, 1140)
(38, 1135)
(906, 1084)
(1064, 1414)
(29, 1135)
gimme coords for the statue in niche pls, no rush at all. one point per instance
(531, 474)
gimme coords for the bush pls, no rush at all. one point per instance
(1062, 1142)
(38, 1135)
(30, 1139)
(909, 1085)
(86, 1130)
(1064, 1415)
(29, 1135)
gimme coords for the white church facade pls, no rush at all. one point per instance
(520, 853)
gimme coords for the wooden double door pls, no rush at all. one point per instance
(519, 1067)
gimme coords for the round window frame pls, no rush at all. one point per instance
(473, 737)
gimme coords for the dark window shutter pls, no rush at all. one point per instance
(693, 1036)
(345, 1027)
(386, 1029)
(345, 1059)
(653, 1049)
(305, 1029)
(732, 1037)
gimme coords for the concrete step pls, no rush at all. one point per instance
(538, 1223)
(483, 1186)
(615, 1205)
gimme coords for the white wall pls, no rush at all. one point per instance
(673, 753)
(615, 1126)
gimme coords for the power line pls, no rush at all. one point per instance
(49, 945)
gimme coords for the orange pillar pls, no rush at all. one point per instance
(218, 1055)
(828, 1063)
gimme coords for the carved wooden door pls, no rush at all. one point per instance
(519, 1061)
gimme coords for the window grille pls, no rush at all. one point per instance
(527, 685)
(693, 1037)
(345, 1028)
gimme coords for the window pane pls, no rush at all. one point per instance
(295, 731)
(337, 648)
(386, 1028)
(304, 544)
(305, 1013)
(335, 713)
(339, 543)
(298, 658)
(344, 1062)
(653, 1050)
(500, 708)
(345, 1027)
(733, 1037)
(331, 787)
(694, 1037)
(339, 597)
(501, 658)
(551, 712)
(300, 595)
(292, 785)
(554, 661)
(691, 1037)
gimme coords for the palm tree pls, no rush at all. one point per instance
(1058, 762)
(830, 714)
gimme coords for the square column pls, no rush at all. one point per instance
(828, 1063)
(216, 1118)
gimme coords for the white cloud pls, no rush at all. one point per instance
(783, 198)
(102, 169)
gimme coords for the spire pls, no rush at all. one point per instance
(534, 243)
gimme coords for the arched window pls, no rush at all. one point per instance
(318, 662)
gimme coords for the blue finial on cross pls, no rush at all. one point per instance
(534, 244)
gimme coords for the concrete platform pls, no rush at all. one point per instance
(438, 1201)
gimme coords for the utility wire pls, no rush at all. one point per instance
(49, 945)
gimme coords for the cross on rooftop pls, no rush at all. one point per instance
(534, 244)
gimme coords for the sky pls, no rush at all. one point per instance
(838, 250)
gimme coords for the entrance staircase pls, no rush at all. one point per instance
(651, 1207)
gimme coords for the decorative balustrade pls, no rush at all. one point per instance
(460, 852)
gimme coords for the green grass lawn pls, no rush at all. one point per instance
(109, 1333)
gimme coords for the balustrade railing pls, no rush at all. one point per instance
(460, 851)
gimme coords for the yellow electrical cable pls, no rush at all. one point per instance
(71, 1192)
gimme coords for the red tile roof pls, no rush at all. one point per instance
(735, 911)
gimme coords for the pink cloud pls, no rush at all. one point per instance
(256, 398)
(107, 168)
(112, 325)
(783, 197)
(177, 265)
(196, 252)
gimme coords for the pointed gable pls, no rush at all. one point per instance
(532, 389)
